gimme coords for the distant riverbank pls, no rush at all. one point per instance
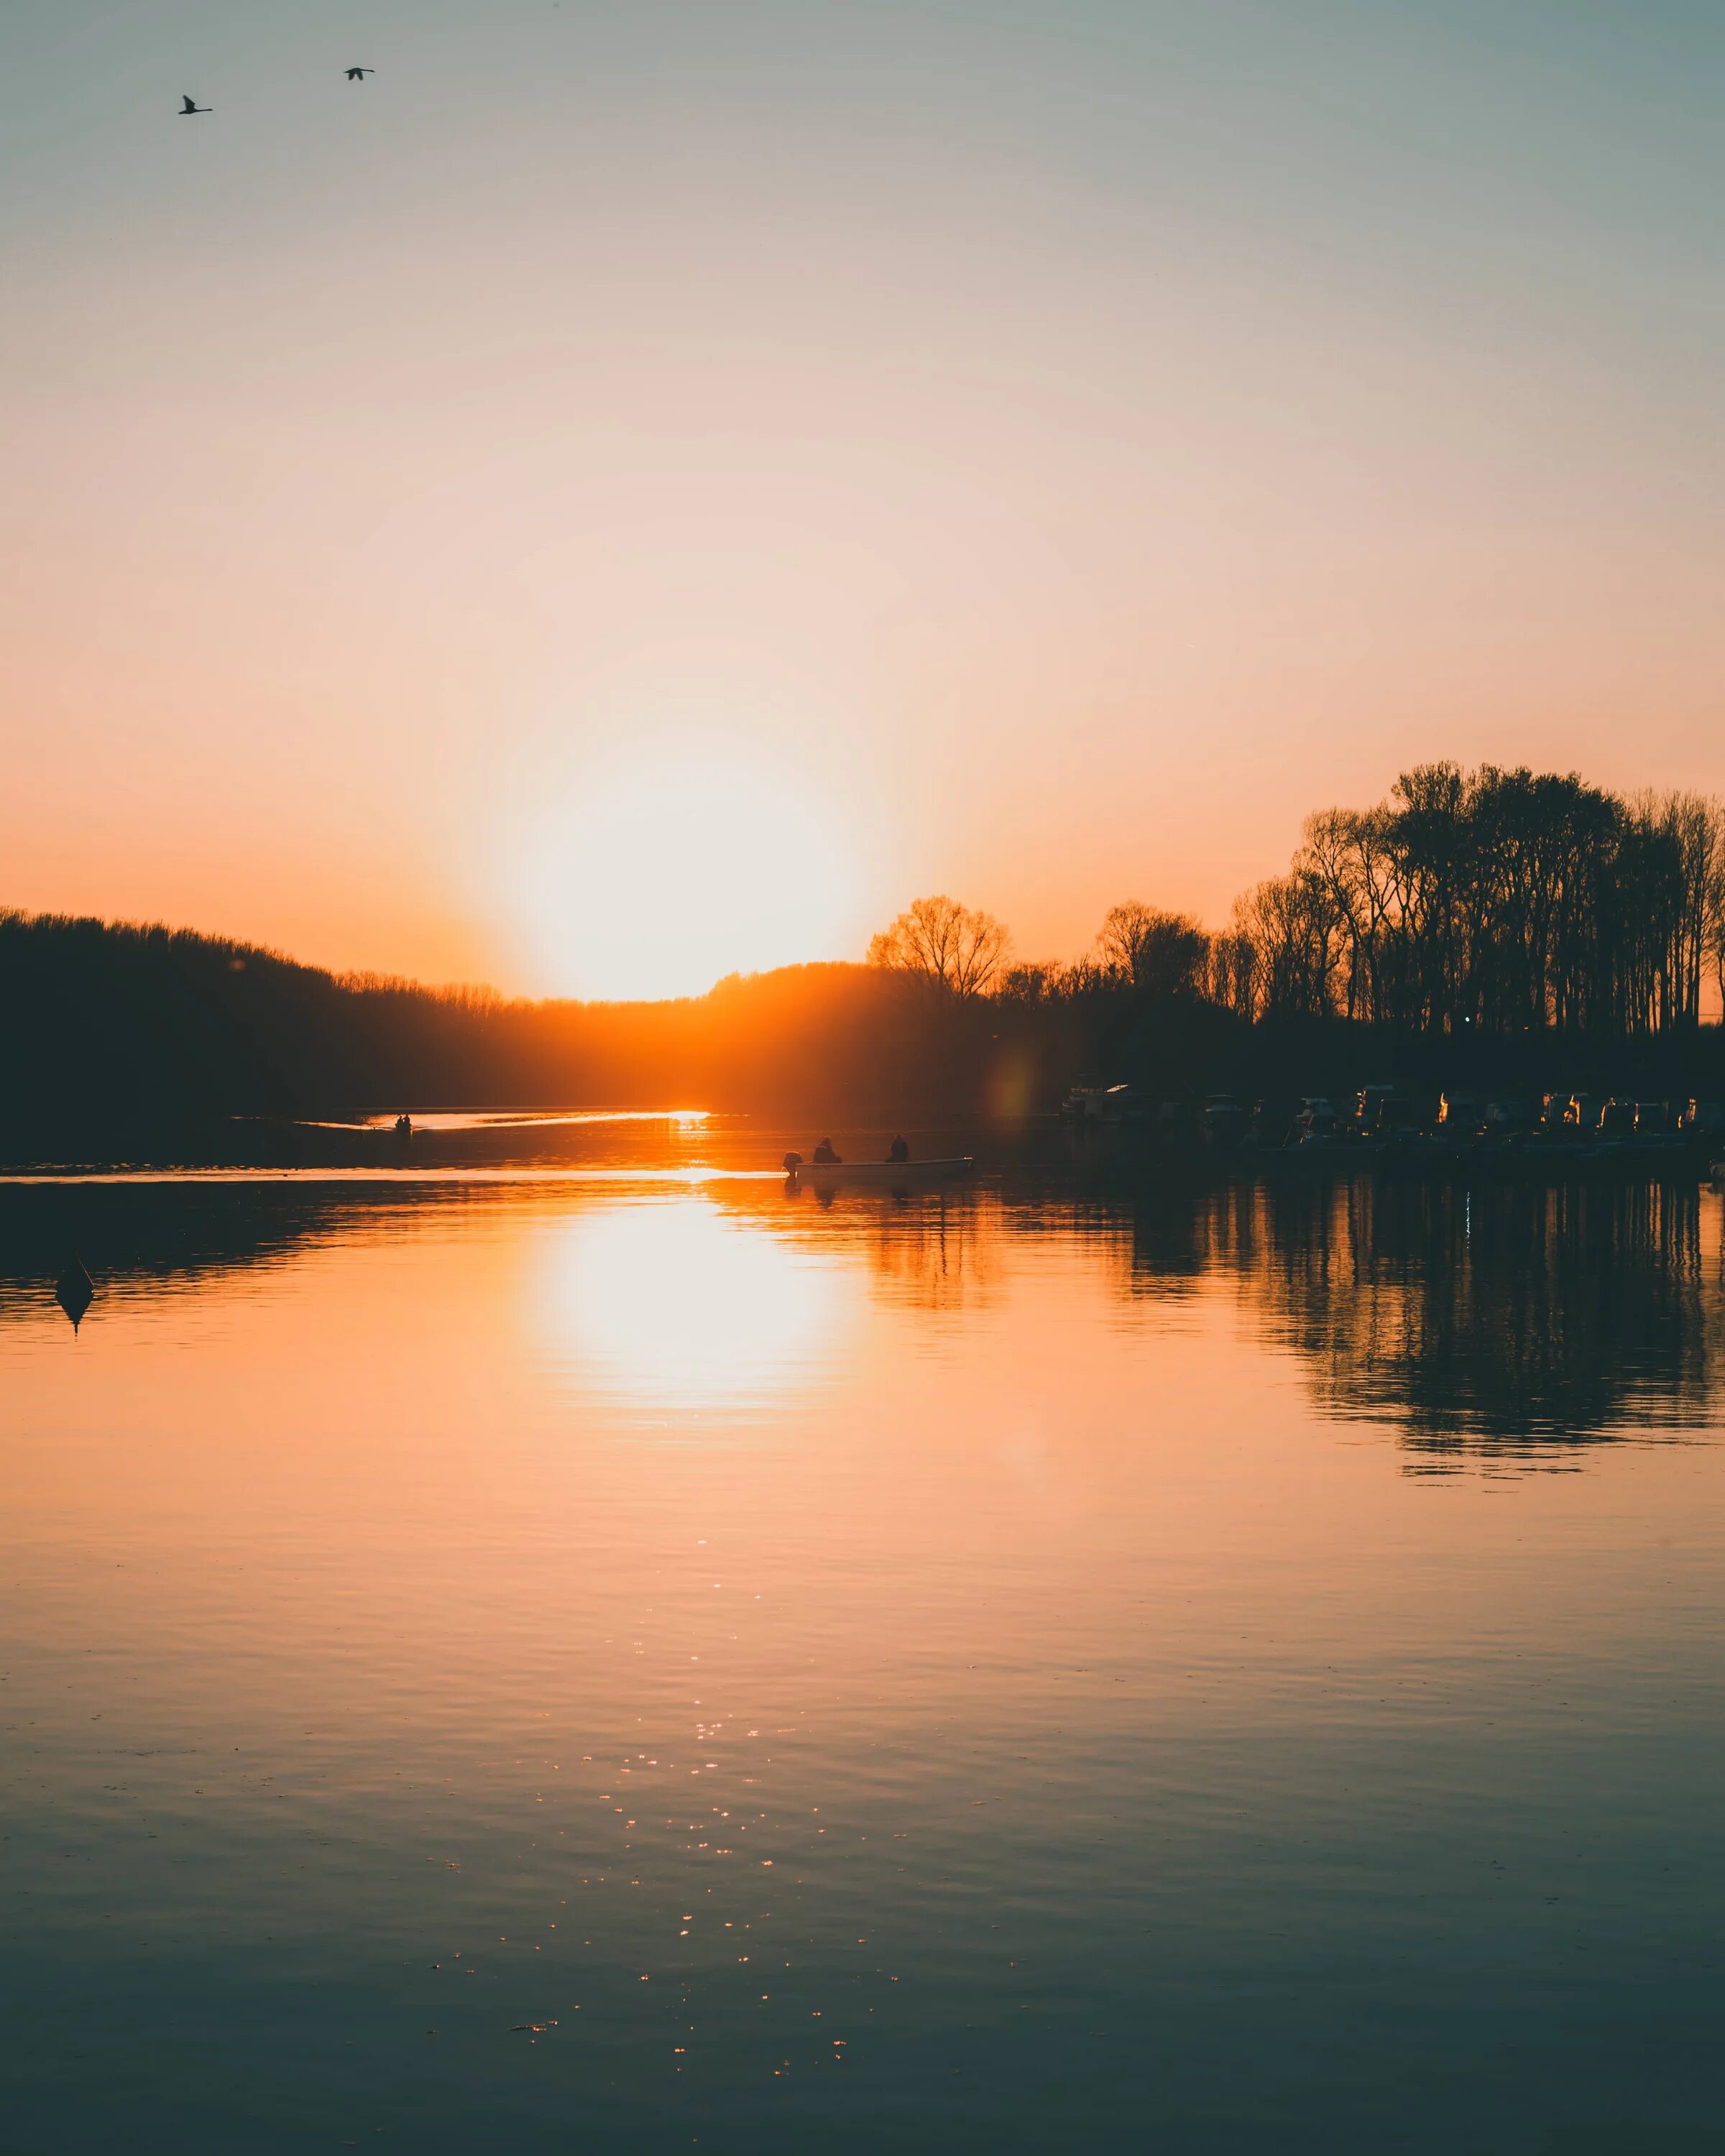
(1492, 931)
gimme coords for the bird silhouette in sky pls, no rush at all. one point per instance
(187, 108)
(359, 74)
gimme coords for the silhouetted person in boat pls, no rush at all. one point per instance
(404, 1126)
(898, 1149)
(187, 108)
(824, 1156)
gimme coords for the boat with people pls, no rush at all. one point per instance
(828, 1168)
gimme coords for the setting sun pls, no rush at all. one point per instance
(661, 871)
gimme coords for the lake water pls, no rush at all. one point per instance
(595, 1663)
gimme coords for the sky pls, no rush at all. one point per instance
(629, 492)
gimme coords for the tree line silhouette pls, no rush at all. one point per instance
(1504, 901)
(1504, 927)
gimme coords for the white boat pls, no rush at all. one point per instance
(882, 1171)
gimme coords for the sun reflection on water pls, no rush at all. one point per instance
(674, 1305)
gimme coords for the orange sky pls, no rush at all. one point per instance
(625, 493)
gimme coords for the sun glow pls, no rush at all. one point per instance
(659, 873)
(670, 1304)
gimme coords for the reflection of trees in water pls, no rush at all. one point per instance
(1511, 1318)
(937, 1253)
(1512, 1321)
(139, 1237)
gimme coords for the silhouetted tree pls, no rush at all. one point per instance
(1232, 976)
(1030, 982)
(956, 947)
(1290, 924)
(1161, 954)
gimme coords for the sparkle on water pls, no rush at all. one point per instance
(574, 1666)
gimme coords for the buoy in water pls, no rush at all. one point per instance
(75, 1292)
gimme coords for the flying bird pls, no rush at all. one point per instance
(187, 108)
(358, 74)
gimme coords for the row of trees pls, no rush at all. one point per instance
(968, 953)
(1501, 902)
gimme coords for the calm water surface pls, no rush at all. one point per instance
(593, 1664)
